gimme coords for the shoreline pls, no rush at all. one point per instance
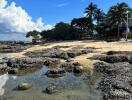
(101, 46)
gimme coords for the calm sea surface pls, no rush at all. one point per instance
(13, 36)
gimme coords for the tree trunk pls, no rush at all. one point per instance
(118, 35)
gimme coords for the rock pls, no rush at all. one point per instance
(64, 55)
(51, 89)
(101, 66)
(78, 69)
(51, 61)
(24, 86)
(68, 66)
(55, 73)
(72, 67)
(119, 53)
(50, 52)
(74, 52)
(76, 64)
(116, 81)
(115, 58)
(97, 57)
(13, 71)
(13, 48)
(111, 52)
(24, 62)
(69, 60)
(57, 53)
(3, 66)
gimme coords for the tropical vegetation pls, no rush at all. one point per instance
(95, 23)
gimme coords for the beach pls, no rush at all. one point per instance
(101, 47)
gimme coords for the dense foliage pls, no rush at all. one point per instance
(62, 31)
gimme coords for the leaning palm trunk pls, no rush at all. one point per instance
(118, 35)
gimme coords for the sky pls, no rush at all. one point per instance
(20, 16)
(53, 11)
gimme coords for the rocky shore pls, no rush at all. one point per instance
(115, 67)
(58, 53)
(13, 46)
(116, 80)
(46, 57)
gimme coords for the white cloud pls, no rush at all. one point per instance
(3, 3)
(14, 19)
(62, 4)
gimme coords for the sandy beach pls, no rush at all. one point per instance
(101, 46)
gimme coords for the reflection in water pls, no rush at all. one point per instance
(3, 79)
(71, 87)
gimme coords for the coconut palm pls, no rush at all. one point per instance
(117, 15)
(90, 12)
(99, 16)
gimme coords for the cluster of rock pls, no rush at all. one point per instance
(13, 46)
(13, 65)
(45, 57)
(51, 89)
(30, 62)
(74, 67)
(3, 66)
(57, 53)
(116, 80)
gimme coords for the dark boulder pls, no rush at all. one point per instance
(3, 66)
(78, 69)
(13, 71)
(101, 66)
(23, 62)
(55, 73)
(97, 57)
(51, 61)
(68, 66)
(115, 58)
(63, 55)
(74, 67)
(51, 89)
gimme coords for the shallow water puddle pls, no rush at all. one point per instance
(71, 87)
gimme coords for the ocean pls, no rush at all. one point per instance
(13, 37)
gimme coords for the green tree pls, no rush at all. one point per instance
(81, 23)
(90, 12)
(117, 16)
(34, 34)
(99, 16)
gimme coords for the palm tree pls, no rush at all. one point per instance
(90, 12)
(117, 15)
(99, 16)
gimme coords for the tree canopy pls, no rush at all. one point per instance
(112, 23)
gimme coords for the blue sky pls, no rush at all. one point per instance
(53, 11)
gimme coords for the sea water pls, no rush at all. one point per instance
(71, 87)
